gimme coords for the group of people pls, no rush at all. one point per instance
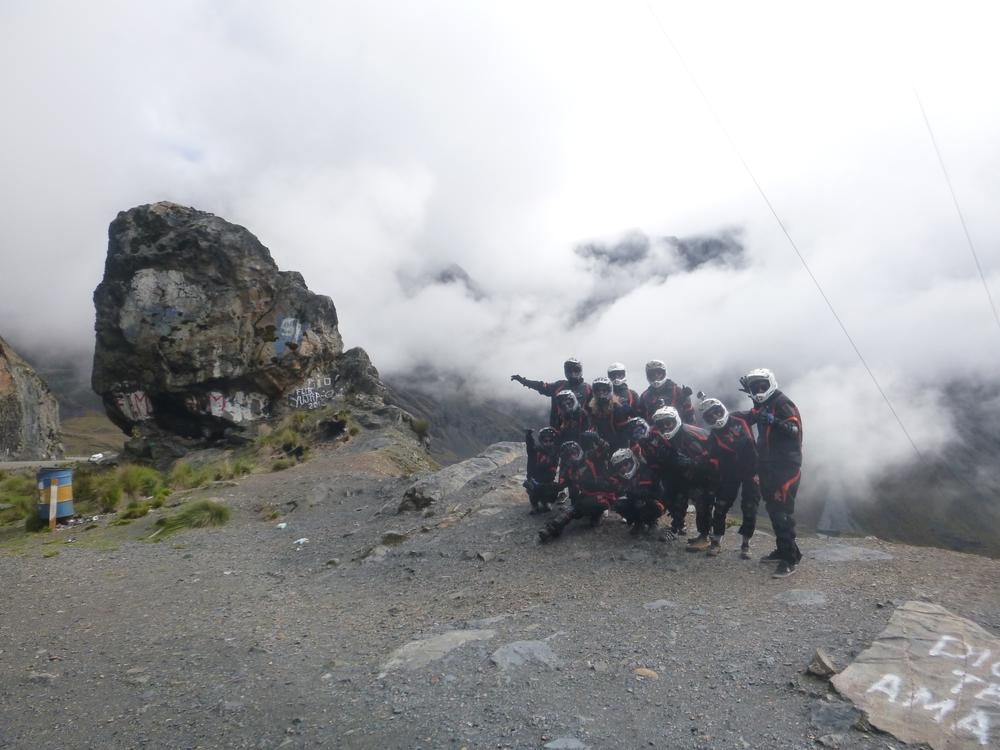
(609, 448)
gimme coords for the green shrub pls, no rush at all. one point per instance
(242, 467)
(33, 523)
(20, 491)
(281, 464)
(139, 481)
(196, 515)
(135, 509)
(184, 476)
(420, 426)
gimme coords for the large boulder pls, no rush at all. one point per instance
(29, 414)
(201, 337)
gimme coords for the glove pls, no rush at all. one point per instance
(530, 484)
(685, 391)
(518, 378)
(528, 434)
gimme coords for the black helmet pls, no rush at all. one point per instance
(547, 437)
(571, 452)
(638, 428)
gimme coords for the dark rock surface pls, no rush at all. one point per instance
(29, 414)
(200, 337)
(249, 640)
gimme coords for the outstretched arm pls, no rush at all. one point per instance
(535, 385)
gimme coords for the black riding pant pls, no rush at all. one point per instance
(725, 497)
(779, 486)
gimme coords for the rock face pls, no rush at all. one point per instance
(201, 337)
(29, 414)
(449, 480)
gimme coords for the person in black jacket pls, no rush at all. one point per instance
(690, 474)
(607, 416)
(572, 420)
(573, 381)
(639, 500)
(543, 466)
(779, 462)
(656, 454)
(733, 447)
(663, 391)
(591, 491)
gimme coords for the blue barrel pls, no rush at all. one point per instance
(63, 481)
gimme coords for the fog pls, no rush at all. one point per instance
(489, 188)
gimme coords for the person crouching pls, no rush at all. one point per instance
(543, 466)
(638, 492)
(591, 491)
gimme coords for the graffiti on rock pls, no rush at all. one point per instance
(289, 335)
(312, 394)
(135, 405)
(237, 406)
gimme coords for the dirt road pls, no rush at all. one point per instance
(240, 637)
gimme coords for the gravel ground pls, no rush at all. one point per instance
(240, 638)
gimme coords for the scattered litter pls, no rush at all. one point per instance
(227, 572)
(301, 541)
(282, 525)
(649, 674)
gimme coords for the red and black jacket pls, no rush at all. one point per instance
(668, 394)
(627, 398)
(542, 464)
(734, 448)
(609, 421)
(779, 441)
(581, 389)
(587, 480)
(692, 459)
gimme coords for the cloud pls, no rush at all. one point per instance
(491, 188)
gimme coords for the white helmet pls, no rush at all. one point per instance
(656, 366)
(601, 384)
(667, 421)
(713, 405)
(754, 384)
(568, 401)
(616, 373)
(623, 463)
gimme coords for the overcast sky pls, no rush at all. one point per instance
(371, 145)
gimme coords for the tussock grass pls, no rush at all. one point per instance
(20, 491)
(194, 516)
(420, 426)
(135, 509)
(185, 476)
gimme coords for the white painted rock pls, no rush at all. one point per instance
(520, 653)
(847, 553)
(930, 677)
(417, 654)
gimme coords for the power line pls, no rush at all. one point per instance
(958, 210)
(788, 236)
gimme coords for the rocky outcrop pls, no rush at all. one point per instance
(201, 338)
(438, 486)
(29, 414)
